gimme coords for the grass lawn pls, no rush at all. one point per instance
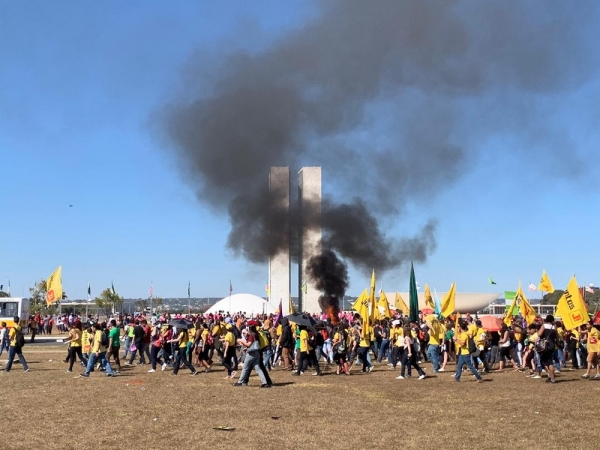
(50, 409)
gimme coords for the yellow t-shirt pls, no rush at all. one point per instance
(399, 334)
(98, 347)
(12, 334)
(593, 346)
(85, 341)
(472, 330)
(434, 333)
(75, 337)
(204, 337)
(442, 331)
(480, 337)
(365, 341)
(464, 337)
(184, 340)
(304, 347)
(279, 331)
(230, 337)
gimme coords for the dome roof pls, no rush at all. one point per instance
(247, 303)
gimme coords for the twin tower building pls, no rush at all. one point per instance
(294, 236)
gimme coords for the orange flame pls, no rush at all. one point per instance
(333, 315)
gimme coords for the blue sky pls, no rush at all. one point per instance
(80, 85)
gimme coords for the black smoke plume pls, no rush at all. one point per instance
(394, 99)
(328, 274)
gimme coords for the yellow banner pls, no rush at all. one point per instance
(545, 283)
(400, 304)
(383, 303)
(526, 310)
(54, 290)
(428, 298)
(361, 303)
(449, 303)
(571, 308)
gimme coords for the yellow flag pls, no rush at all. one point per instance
(383, 303)
(571, 307)
(291, 305)
(545, 283)
(526, 310)
(449, 303)
(361, 303)
(54, 290)
(428, 298)
(400, 304)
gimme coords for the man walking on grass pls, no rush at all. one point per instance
(17, 340)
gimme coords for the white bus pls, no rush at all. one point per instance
(14, 306)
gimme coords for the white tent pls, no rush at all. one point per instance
(248, 303)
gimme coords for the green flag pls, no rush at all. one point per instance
(413, 303)
(492, 280)
(113, 288)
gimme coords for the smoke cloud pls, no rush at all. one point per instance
(394, 99)
(329, 275)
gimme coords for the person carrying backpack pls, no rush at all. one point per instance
(98, 353)
(17, 341)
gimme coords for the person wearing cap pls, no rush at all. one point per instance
(397, 343)
(98, 353)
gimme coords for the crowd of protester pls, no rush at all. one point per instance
(263, 343)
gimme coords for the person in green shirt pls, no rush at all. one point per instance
(114, 344)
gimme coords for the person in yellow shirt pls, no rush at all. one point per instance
(16, 338)
(205, 347)
(433, 346)
(397, 343)
(306, 354)
(229, 351)
(98, 353)
(464, 356)
(74, 342)
(480, 339)
(181, 342)
(593, 347)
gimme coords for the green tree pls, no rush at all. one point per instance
(141, 305)
(37, 300)
(553, 298)
(4, 294)
(109, 301)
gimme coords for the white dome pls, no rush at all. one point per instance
(247, 303)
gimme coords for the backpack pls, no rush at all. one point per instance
(210, 339)
(341, 346)
(471, 345)
(104, 339)
(20, 339)
(263, 341)
(312, 340)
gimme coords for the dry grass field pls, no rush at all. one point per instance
(51, 409)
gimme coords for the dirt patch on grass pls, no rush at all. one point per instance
(57, 410)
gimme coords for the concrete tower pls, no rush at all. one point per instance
(309, 206)
(279, 237)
